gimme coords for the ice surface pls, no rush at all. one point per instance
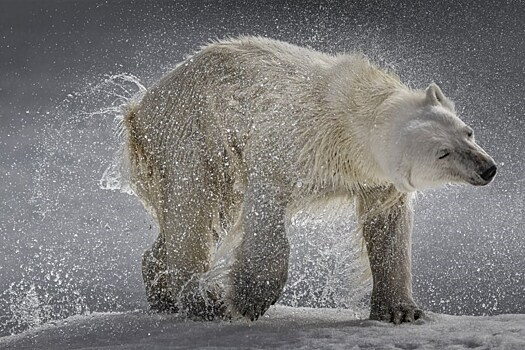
(283, 328)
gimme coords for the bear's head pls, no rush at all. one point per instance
(427, 145)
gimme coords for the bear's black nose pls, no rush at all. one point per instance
(489, 173)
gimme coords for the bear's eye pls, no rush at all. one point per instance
(444, 154)
(470, 133)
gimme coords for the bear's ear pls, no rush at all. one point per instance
(434, 95)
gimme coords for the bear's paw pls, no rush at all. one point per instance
(397, 313)
(251, 298)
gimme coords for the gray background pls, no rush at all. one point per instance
(67, 246)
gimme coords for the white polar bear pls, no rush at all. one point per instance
(225, 148)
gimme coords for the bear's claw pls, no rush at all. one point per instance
(397, 314)
(253, 312)
(251, 299)
(253, 309)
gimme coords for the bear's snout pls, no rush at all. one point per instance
(489, 173)
(482, 167)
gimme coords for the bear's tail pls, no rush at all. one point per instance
(117, 175)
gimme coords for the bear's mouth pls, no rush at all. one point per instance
(485, 176)
(477, 180)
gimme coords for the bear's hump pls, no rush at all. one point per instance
(270, 51)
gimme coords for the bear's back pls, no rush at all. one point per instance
(268, 52)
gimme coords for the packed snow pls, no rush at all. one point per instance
(282, 328)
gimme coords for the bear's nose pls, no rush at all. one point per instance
(489, 174)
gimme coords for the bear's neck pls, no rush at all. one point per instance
(336, 154)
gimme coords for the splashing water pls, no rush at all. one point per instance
(64, 236)
(34, 304)
(328, 262)
(116, 176)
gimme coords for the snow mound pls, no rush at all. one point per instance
(282, 328)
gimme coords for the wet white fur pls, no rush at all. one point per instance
(247, 131)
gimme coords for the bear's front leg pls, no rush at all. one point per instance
(387, 229)
(260, 269)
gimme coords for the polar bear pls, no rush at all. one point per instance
(229, 145)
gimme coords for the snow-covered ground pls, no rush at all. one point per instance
(282, 328)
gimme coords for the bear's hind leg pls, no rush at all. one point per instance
(154, 274)
(187, 229)
(174, 269)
